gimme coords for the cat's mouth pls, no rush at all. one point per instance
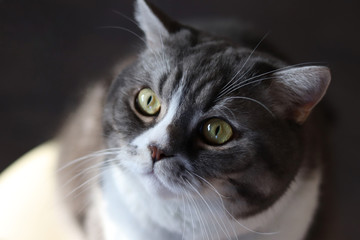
(163, 179)
(156, 184)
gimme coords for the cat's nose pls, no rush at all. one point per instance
(156, 153)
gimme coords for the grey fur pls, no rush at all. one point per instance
(227, 79)
(264, 144)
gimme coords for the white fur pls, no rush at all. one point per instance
(292, 215)
(131, 213)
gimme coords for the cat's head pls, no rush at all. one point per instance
(194, 110)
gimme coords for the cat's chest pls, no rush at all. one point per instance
(129, 213)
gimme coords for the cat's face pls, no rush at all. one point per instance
(194, 110)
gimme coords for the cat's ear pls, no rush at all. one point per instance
(298, 90)
(155, 24)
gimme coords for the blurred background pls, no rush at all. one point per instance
(50, 50)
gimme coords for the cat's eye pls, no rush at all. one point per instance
(147, 102)
(216, 131)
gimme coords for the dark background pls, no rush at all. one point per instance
(49, 50)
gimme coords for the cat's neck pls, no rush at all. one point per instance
(130, 213)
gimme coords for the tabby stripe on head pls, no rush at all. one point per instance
(200, 87)
(174, 83)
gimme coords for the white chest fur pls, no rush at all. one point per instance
(128, 210)
(130, 213)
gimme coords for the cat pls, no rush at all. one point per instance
(200, 136)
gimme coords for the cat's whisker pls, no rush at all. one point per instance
(136, 24)
(85, 203)
(134, 34)
(126, 17)
(192, 220)
(249, 229)
(198, 213)
(94, 167)
(242, 225)
(281, 69)
(227, 212)
(225, 226)
(211, 211)
(184, 223)
(253, 100)
(247, 82)
(104, 152)
(219, 195)
(95, 178)
(220, 204)
(87, 182)
(222, 224)
(222, 109)
(189, 208)
(212, 187)
(244, 83)
(284, 68)
(246, 61)
(229, 88)
(125, 29)
(163, 53)
(208, 183)
(81, 173)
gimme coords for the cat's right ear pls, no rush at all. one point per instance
(156, 25)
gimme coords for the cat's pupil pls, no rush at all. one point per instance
(149, 100)
(217, 130)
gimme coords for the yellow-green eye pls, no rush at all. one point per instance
(147, 102)
(217, 131)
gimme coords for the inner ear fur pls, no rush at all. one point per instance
(155, 24)
(298, 90)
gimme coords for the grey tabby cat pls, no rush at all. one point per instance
(199, 137)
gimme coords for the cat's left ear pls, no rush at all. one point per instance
(298, 90)
(156, 25)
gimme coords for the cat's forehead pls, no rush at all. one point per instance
(202, 69)
(196, 51)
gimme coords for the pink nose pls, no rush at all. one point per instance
(156, 153)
